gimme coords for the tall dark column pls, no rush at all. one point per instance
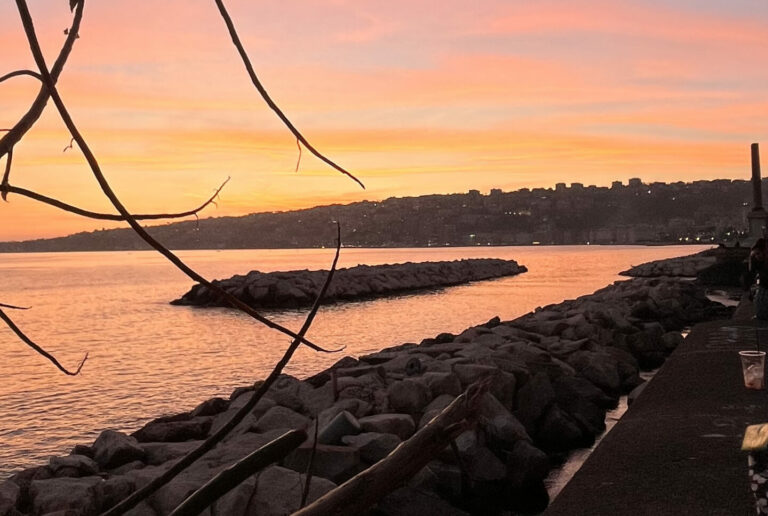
(757, 187)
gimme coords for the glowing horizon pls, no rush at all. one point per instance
(413, 98)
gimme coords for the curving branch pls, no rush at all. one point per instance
(34, 45)
(207, 445)
(18, 131)
(18, 73)
(37, 348)
(6, 189)
(264, 95)
(6, 175)
(14, 307)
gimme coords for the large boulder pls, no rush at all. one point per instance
(408, 396)
(533, 399)
(112, 449)
(73, 466)
(409, 501)
(69, 495)
(372, 446)
(402, 425)
(174, 431)
(279, 417)
(10, 494)
(336, 463)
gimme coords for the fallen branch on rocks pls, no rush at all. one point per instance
(231, 477)
(365, 489)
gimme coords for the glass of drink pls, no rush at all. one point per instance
(753, 368)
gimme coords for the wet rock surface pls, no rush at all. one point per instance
(553, 373)
(295, 289)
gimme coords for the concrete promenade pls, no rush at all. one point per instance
(677, 449)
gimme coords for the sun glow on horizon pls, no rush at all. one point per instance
(488, 95)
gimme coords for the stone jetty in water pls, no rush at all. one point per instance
(550, 377)
(294, 289)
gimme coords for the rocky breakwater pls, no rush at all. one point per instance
(294, 289)
(717, 267)
(552, 373)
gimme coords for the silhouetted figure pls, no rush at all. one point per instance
(758, 270)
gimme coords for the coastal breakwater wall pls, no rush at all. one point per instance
(552, 373)
(295, 289)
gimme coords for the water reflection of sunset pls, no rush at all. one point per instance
(483, 95)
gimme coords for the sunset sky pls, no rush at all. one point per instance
(414, 97)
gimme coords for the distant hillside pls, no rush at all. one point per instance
(705, 211)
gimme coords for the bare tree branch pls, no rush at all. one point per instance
(310, 466)
(6, 175)
(237, 473)
(37, 53)
(6, 189)
(38, 349)
(18, 131)
(268, 99)
(133, 500)
(21, 72)
(69, 146)
(14, 307)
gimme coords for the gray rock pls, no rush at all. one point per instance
(343, 424)
(77, 495)
(275, 491)
(442, 383)
(281, 417)
(112, 449)
(10, 494)
(408, 396)
(372, 446)
(211, 407)
(73, 466)
(402, 425)
(526, 464)
(502, 428)
(174, 431)
(600, 368)
(558, 432)
(533, 399)
(469, 373)
(158, 453)
(569, 389)
(336, 463)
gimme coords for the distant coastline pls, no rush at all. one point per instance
(702, 212)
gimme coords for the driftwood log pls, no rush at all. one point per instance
(234, 475)
(365, 489)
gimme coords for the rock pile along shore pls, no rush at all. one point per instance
(294, 289)
(553, 374)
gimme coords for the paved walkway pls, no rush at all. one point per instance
(677, 449)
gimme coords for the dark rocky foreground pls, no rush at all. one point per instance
(294, 289)
(553, 374)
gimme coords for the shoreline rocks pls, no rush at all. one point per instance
(295, 289)
(553, 374)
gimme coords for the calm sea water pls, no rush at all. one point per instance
(148, 358)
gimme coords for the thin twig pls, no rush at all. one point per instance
(17, 132)
(38, 349)
(207, 445)
(298, 160)
(268, 99)
(37, 53)
(71, 142)
(106, 216)
(21, 72)
(14, 307)
(308, 472)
